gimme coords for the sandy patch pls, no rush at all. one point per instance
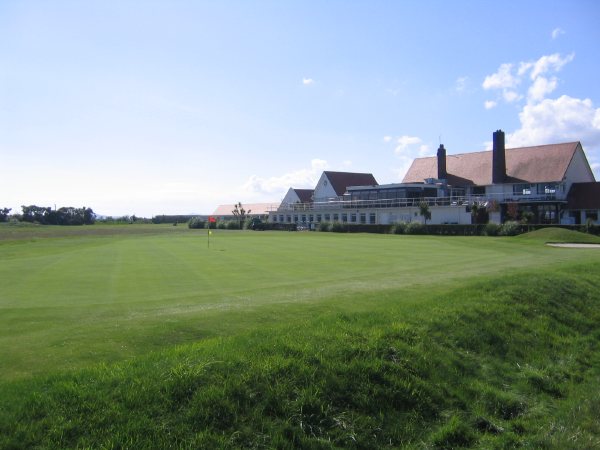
(575, 245)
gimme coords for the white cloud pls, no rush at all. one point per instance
(407, 149)
(502, 79)
(541, 87)
(424, 150)
(546, 120)
(550, 63)
(557, 32)
(302, 178)
(307, 81)
(387, 139)
(489, 104)
(558, 120)
(405, 142)
(511, 96)
(509, 77)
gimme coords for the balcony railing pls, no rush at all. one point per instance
(466, 200)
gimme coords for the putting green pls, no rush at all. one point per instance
(77, 296)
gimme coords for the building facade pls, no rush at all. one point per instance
(547, 184)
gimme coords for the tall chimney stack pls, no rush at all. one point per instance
(498, 158)
(442, 174)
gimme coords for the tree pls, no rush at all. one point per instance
(512, 211)
(479, 214)
(34, 213)
(240, 213)
(4, 212)
(66, 215)
(424, 211)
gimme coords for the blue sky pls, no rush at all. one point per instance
(174, 107)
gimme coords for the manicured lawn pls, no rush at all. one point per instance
(142, 337)
(77, 296)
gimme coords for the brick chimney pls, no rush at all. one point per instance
(498, 158)
(442, 174)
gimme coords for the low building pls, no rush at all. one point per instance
(259, 210)
(546, 184)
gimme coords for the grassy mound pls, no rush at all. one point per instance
(560, 235)
(508, 361)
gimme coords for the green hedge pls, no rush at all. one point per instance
(490, 229)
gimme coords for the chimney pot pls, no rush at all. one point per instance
(442, 174)
(498, 158)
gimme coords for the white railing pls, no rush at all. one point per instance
(465, 200)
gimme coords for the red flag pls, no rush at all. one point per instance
(211, 219)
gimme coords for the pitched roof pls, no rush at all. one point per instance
(254, 208)
(584, 196)
(341, 180)
(305, 195)
(537, 164)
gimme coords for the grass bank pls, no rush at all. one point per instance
(501, 362)
(112, 338)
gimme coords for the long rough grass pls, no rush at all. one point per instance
(490, 343)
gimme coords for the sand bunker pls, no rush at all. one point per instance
(575, 245)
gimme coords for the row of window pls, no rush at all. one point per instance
(364, 218)
(391, 194)
(535, 189)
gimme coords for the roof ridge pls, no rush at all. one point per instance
(506, 149)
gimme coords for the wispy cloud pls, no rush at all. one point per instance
(557, 32)
(405, 143)
(503, 78)
(407, 148)
(307, 81)
(489, 104)
(461, 84)
(278, 185)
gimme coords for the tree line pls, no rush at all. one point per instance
(45, 215)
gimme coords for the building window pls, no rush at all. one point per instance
(295, 219)
(363, 218)
(274, 218)
(336, 217)
(310, 218)
(303, 218)
(372, 218)
(344, 217)
(521, 189)
(318, 217)
(327, 217)
(289, 219)
(353, 218)
(592, 214)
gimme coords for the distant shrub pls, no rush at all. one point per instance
(415, 228)
(492, 229)
(196, 222)
(337, 227)
(399, 228)
(232, 225)
(590, 227)
(510, 228)
(222, 225)
(324, 226)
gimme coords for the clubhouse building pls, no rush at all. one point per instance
(548, 184)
